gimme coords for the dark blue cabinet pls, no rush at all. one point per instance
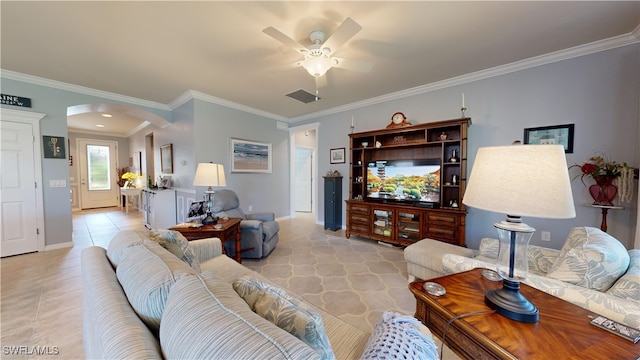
(333, 203)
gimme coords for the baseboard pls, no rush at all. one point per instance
(58, 246)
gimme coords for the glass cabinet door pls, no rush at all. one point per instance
(409, 226)
(383, 223)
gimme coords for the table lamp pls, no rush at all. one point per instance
(518, 180)
(209, 174)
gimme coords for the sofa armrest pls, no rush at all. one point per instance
(206, 249)
(261, 216)
(453, 264)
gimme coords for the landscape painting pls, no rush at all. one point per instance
(250, 156)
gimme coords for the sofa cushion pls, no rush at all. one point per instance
(205, 318)
(121, 241)
(177, 244)
(283, 310)
(398, 336)
(541, 259)
(628, 286)
(146, 274)
(590, 258)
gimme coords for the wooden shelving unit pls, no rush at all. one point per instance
(404, 224)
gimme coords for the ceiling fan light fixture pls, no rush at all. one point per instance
(317, 66)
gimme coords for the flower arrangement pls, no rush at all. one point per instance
(604, 172)
(597, 166)
(129, 176)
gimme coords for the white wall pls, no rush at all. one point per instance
(598, 93)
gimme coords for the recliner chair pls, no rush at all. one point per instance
(259, 231)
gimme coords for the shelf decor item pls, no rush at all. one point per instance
(534, 182)
(604, 173)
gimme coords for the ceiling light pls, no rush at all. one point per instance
(100, 125)
(107, 115)
(317, 64)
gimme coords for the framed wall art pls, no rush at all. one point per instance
(54, 147)
(336, 156)
(250, 156)
(166, 159)
(557, 134)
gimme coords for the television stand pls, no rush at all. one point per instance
(406, 223)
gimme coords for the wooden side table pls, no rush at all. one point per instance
(605, 211)
(230, 230)
(563, 331)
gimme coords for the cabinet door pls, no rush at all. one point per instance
(409, 226)
(383, 224)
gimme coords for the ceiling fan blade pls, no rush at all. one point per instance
(278, 35)
(343, 33)
(321, 81)
(354, 65)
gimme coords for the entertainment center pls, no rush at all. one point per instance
(406, 182)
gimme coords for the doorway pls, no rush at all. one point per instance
(98, 173)
(304, 169)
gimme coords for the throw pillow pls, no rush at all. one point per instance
(398, 336)
(286, 312)
(590, 258)
(176, 244)
(628, 286)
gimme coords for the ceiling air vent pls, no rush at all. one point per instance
(303, 96)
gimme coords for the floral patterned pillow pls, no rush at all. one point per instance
(590, 258)
(628, 286)
(286, 312)
(176, 244)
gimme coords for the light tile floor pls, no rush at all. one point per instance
(41, 293)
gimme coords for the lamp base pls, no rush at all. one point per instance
(508, 302)
(209, 219)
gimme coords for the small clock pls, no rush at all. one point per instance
(397, 120)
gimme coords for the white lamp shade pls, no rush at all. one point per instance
(210, 174)
(521, 180)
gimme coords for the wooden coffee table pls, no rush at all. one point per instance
(230, 230)
(563, 331)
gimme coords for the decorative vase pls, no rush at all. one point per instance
(603, 191)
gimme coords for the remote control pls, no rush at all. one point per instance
(613, 327)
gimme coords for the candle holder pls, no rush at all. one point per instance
(463, 109)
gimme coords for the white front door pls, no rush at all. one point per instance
(19, 209)
(303, 179)
(98, 173)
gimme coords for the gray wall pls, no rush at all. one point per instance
(598, 93)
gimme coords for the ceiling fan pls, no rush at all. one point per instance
(318, 57)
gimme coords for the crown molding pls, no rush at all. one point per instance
(565, 54)
(192, 94)
(12, 75)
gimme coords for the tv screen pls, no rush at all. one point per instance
(411, 181)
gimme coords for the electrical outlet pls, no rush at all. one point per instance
(546, 236)
(250, 208)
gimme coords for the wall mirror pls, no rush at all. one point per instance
(166, 159)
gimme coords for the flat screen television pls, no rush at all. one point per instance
(407, 181)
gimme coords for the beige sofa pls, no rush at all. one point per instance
(173, 299)
(592, 270)
(141, 301)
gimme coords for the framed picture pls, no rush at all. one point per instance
(250, 156)
(166, 159)
(336, 156)
(54, 147)
(558, 134)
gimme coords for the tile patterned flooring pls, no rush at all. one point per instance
(41, 293)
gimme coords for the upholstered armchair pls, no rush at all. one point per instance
(259, 231)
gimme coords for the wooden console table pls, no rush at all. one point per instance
(230, 230)
(605, 211)
(563, 331)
